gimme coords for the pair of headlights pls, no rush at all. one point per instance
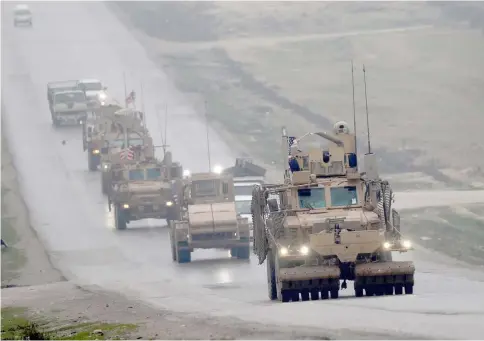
(168, 203)
(407, 244)
(303, 250)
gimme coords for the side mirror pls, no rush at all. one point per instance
(104, 150)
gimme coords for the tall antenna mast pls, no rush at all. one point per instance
(143, 104)
(208, 140)
(125, 90)
(367, 118)
(354, 105)
(166, 128)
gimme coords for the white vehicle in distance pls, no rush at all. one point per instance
(242, 206)
(93, 89)
(69, 107)
(244, 188)
(22, 15)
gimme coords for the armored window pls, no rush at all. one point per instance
(153, 173)
(135, 142)
(137, 174)
(243, 190)
(70, 97)
(225, 188)
(92, 86)
(243, 207)
(22, 12)
(344, 196)
(311, 198)
(205, 188)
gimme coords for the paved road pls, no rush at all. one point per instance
(73, 40)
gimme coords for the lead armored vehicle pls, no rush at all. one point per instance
(208, 218)
(329, 223)
(145, 190)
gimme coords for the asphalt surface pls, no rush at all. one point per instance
(84, 40)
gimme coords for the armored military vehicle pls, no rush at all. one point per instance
(125, 140)
(144, 190)
(330, 224)
(97, 127)
(209, 219)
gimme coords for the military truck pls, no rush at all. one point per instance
(95, 129)
(57, 86)
(69, 107)
(330, 224)
(208, 218)
(145, 190)
(125, 140)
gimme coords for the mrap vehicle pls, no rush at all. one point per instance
(208, 218)
(331, 224)
(22, 15)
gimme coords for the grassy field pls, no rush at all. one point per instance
(270, 64)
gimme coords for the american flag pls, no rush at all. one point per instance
(126, 154)
(290, 139)
(131, 97)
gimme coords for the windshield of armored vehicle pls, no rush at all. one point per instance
(120, 143)
(243, 207)
(23, 11)
(311, 198)
(136, 174)
(70, 97)
(344, 196)
(205, 188)
(243, 190)
(92, 86)
(153, 173)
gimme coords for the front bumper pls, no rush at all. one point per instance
(147, 211)
(70, 119)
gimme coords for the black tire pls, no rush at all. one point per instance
(119, 218)
(91, 164)
(173, 247)
(104, 185)
(271, 276)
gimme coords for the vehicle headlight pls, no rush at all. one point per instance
(387, 245)
(125, 206)
(304, 250)
(102, 95)
(186, 172)
(217, 169)
(283, 251)
(407, 244)
(106, 166)
(96, 151)
(169, 203)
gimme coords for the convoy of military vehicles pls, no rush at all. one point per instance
(326, 224)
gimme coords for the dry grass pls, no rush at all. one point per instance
(266, 64)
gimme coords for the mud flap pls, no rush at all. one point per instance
(109, 203)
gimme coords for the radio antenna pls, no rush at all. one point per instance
(125, 90)
(354, 105)
(166, 128)
(143, 104)
(367, 116)
(208, 140)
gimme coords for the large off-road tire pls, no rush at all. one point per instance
(271, 276)
(104, 185)
(91, 161)
(173, 246)
(183, 256)
(119, 218)
(55, 122)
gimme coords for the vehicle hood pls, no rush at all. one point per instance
(70, 106)
(23, 16)
(248, 216)
(146, 187)
(354, 219)
(92, 94)
(216, 214)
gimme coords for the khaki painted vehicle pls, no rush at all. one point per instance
(208, 218)
(145, 190)
(329, 223)
(95, 128)
(126, 133)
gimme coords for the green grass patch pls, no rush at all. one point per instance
(16, 325)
